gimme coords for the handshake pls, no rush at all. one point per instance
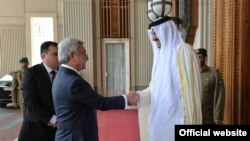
(132, 98)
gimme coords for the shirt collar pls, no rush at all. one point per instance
(66, 66)
(48, 68)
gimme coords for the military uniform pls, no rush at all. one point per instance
(17, 93)
(213, 95)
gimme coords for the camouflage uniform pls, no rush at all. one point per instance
(213, 95)
(17, 93)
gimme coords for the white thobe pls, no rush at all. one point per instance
(175, 87)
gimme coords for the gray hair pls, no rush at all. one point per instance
(67, 46)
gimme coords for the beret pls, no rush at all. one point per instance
(202, 51)
(23, 59)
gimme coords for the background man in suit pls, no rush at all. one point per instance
(74, 99)
(17, 96)
(37, 84)
(213, 91)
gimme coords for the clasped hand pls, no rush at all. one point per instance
(52, 124)
(132, 97)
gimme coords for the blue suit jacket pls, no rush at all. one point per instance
(75, 103)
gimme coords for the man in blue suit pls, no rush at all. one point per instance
(74, 99)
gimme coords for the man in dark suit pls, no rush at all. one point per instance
(74, 99)
(39, 122)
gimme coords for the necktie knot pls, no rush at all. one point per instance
(53, 75)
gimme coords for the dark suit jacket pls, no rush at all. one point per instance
(38, 99)
(75, 103)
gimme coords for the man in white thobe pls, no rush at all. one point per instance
(174, 94)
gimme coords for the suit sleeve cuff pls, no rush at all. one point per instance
(53, 119)
(126, 102)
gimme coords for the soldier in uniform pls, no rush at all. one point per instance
(213, 91)
(16, 86)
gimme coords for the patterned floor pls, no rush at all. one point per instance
(10, 123)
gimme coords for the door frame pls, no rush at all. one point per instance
(103, 50)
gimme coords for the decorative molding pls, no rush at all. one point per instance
(222, 45)
(229, 46)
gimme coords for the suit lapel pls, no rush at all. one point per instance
(45, 74)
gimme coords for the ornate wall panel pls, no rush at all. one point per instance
(222, 22)
(228, 47)
(115, 18)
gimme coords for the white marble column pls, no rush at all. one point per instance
(203, 32)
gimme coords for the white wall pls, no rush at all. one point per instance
(12, 12)
(48, 6)
(14, 30)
